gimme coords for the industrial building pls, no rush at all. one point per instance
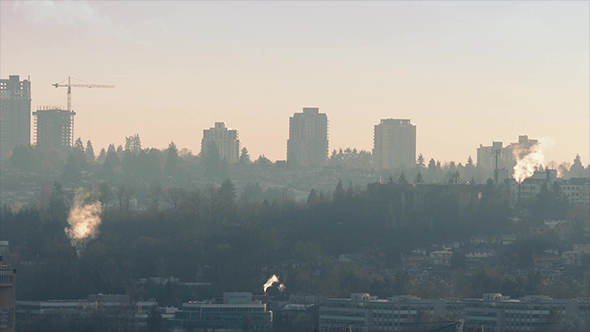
(111, 304)
(496, 312)
(363, 312)
(15, 114)
(237, 312)
(54, 129)
(226, 140)
(394, 144)
(307, 145)
(7, 298)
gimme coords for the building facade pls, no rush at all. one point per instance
(308, 138)
(394, 144)
(238, 312)
(502, 158)
(363, 312)
(226, 140)
(54, 129)
(531, 313)
(7, 298)
(111, 304)
(15, 114)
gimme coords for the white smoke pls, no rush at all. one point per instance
(274, 279)
(83, 219)
(528, 160)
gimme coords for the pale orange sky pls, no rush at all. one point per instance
(464, 72)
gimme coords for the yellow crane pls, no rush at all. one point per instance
(69, 85)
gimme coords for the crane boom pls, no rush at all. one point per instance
(69, 85)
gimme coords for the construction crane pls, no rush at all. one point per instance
(69, 85)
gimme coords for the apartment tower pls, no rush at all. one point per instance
(15, 114)
(226, 140)
(394, 144)
(54, 129)
(308, 138)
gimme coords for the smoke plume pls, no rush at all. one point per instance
(274, 279)
(527, 160)
(83, 219)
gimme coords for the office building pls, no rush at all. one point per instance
(237, 312)
(54, 129)
(308, 138)
(15, 114)
(496, 312)
(394, 144)
(111, 304)
(225, 139)
(363, 312)
(7, 298)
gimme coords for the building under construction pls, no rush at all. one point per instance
(54, 129)
(15, 114)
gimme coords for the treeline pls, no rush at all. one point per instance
(236, 242)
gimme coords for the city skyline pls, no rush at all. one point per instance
(529, 68)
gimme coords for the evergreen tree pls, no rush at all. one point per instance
(339, 193)
(72, 174)
(312, 198)
(172, 164)
(420, 161)
(244, 157)
(401, 180)
(419, 179)
(90, 152)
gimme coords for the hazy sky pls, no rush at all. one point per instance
(464, 72)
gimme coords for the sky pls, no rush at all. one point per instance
(465, 73)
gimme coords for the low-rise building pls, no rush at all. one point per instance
(530, 313)
(363, 312)
(441, 257)
(577, 255)
(238, 312)
(110, 303)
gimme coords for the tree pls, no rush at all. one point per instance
(72, 172)
(419, 179)
(133, 144)
(172, 165)
(339, 193)
(420, 161)
(155, 323)
(312, 198)
(458, 261)
(244, 157)
(401, 180)
(90, 152)
(101, 156)
(23, 158)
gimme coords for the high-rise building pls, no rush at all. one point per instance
(502, 158)
(15, 114)
(54, 129)
(7, 298)
(226, 139)
(308, 138)
(394, 144)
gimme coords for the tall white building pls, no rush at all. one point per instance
(226, 139)
(394, 144)
(308, 138)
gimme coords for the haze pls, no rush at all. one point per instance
(465, 72)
